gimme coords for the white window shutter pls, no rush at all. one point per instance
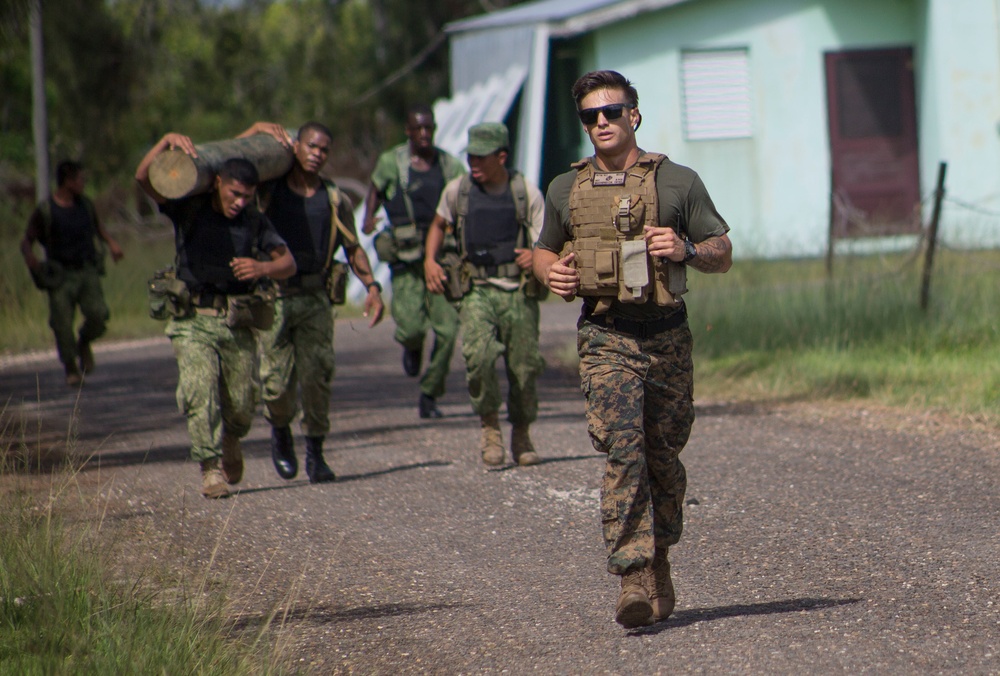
(716, 86)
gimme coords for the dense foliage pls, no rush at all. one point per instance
(120, 73)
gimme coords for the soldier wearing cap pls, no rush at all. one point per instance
(495, 216)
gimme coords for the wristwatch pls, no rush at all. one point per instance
(376, 285)
(689, 250)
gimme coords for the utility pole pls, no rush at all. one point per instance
(39, 114)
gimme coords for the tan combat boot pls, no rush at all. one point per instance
(661, 591)
(522, 448)
(491, 445)
(634, 609)
(213, 485)
(232, 458)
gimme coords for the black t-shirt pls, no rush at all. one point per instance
(72, 235)
(206, 242)
(303, 222)
(425, 190)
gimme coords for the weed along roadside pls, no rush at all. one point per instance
(417, 560)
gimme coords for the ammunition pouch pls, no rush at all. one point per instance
(623, 270)
(533, 288)
(459, 276)
(168, 296)
(336, 283)
(400, 244)
(50, 275)
(252, 310)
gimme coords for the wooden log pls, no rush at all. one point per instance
(174, 174)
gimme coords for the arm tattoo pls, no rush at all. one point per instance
(714, 255)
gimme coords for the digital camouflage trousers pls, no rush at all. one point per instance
(217, 385)
(499, 323)
(415, 310)
(296, 355)
(81, 288)
(639, 412)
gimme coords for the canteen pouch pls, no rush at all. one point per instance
(168, 296)
(336, 283)
(386, 247)
(459, 276)
(253, 310)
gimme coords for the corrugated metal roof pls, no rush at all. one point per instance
(531, 12)
(565, 17)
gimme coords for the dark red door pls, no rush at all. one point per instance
(873, 142)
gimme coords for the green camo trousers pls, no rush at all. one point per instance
(297, 353)
(639, 412)
(414, 309)
(81, 287)
(217, 385)
(494, 323)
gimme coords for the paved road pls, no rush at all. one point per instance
(817, 539)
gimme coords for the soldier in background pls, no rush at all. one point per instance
(409, 179)
(68, 229)
(656, 219)
(219, 236)
(495, 215)
(315, 218)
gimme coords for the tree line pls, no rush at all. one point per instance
(121, 73)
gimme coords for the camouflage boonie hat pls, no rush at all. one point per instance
(487, 138)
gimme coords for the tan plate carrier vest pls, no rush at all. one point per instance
(607, 212)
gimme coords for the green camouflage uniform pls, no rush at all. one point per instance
(217, 384)
(81, 280)
(497, 318)
(413, 308)
(497, 322)
(639, 390)
(217, 387)
(297, 351)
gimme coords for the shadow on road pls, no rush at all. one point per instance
(686, 618)
(322, 614)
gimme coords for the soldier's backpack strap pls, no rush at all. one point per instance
(451, 166)
(336, 225)
(462, 212)
(403, 179)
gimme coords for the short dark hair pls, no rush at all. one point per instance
(315, 126)
(604, 79)
(419, 109)
(67, 170)
(240, 170)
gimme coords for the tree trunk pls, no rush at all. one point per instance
(174, 174)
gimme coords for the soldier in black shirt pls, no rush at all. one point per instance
(68, 229)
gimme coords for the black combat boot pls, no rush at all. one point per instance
(283, 452)
(316, 468)
(428, 407)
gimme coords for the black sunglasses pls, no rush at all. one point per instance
(612, 112)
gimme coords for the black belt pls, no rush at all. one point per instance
(213, 300)
(636, 328)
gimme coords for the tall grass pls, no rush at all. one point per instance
(66, 606)
(785, 330)
(148, 245)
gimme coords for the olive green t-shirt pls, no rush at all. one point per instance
(684, 205)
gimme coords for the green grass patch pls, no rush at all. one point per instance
(68, 606)
(785, 330)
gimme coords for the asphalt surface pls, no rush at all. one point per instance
(818, 538)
